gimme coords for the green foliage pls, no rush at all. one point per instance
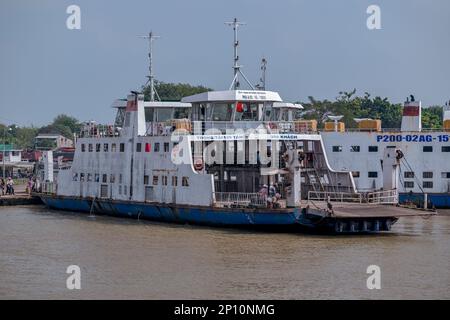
(174, 91)
(432, 117)
(63, 125)
(351, 106)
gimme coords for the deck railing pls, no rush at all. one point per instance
(376, 197)
(239, 199)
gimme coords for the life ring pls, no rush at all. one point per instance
(198, 164)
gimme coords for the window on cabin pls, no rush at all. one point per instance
(149, 114)
(113, 147)
(409, 184)
(105, 147)
(89, 177)
(174, 181)
(355, 149)
(185, 181)
(81, 176)
(427, 184)
(166, 147)
(427, 148)
(445, 149)
(181, 113)
(445, 175)
(120, 178)
(122, 147)
(96, 177)
(104, 178)
(428, 175)
(409, 174)
(91, 147)
(337, 148)
(164, 180)
(112, 178)
(138, 147)
(155, 180)
(373, 148)
(83, 147)
(246, 111)
(222, 112)
(146, 179)
(355, 174)
(164, 114)
(98, 147)
(372, 174)
(75, 177)
(156, 148)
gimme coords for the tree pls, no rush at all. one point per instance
(174, 91)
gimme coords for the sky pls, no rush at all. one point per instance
(313, 48)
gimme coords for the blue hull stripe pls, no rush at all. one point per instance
(194, 215)
(438, 200)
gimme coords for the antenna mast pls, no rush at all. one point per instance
(262, 80)
(236, 67)
(151, 78)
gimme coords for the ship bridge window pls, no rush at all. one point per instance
(149, 114)
(409, 184)
(427, 148)
(97, 147)
(372, 174)
(105, 147)
(185, 181)
(122, 147)
(163, 114)
(409, 174)
(427, 184)
(83, 147)
(222, 112)
(181, 113)
(246, 111)
(428, 175)
(373, 148)
(445, 149)
(337, 148)
(355, 148)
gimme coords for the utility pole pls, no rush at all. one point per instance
(151, 78)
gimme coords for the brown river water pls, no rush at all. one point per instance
(129, 259)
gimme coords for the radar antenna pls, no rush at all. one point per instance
(236, 67)
(262, 81)
(151, 78)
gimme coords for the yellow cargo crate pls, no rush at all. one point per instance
(305, 125)
(370, 125)
(329, 126)
(447, 125)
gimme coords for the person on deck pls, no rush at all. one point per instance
(2, 186)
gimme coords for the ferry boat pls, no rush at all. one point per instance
(233, 158)
(424, 172)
